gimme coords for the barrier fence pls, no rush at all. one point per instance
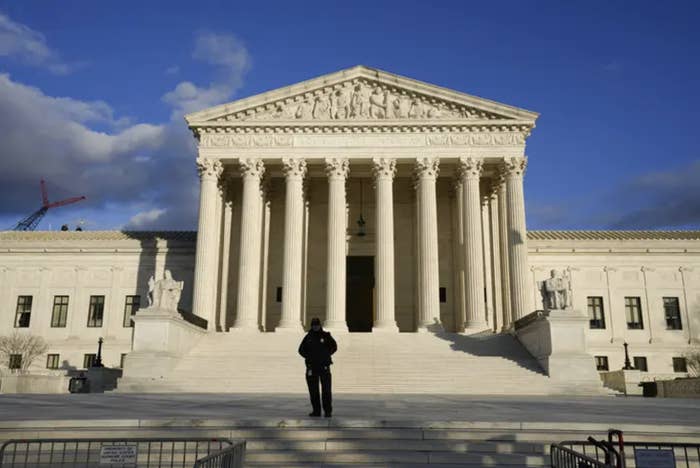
(124, 453)
(618, 453)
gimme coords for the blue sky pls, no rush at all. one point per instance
(92, 96)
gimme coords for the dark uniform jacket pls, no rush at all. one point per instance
(316, 348)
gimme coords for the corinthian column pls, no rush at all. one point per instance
(337, 172)
(521, 300)
(503, 251)
(247, 301)
(470, 173)
(205, 270)
(429, 285)
(294, 171)
(384, 171)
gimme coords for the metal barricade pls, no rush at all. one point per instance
(564, 457)
(230, 457)
(89, 453)
(637, 454)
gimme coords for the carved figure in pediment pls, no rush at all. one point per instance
(417, 110)
(304, 110)
(359, 103)
(340, 104)
(321, 107)
(377, 104)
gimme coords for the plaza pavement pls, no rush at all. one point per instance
(114, 406)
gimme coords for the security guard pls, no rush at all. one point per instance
(316, 348)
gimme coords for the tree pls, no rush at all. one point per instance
(28, 346)
(692, 360)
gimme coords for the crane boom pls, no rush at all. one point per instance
(32, 221)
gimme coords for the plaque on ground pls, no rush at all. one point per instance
(654, 458)
(118, 454)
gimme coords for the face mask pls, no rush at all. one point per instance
(316, 327)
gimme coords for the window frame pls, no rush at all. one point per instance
(23, 309)
(638, 359)
(680, 359)
(49, 358)
(594, 308)
(135, 306)
(89, 360)
(62, 311)
(14, 362)
(599, 361)
(672, 323)
(92, 321)
(630, 309)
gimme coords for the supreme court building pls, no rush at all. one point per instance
(379, 204)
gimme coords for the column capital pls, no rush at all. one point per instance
(209, 168)
(383, 168)
(470, 168)
(294, 168)
(514, 166)
(427, 168)
(251, 167)
(337, 168)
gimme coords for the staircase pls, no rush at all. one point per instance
(401, 363)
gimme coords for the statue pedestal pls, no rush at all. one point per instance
(161, 338)
(556, 338)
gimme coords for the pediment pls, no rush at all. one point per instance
(361, 94)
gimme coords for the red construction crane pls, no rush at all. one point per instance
(30, 222)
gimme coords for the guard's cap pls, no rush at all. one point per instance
(315, 321)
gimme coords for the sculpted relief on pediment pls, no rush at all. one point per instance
(360, 99)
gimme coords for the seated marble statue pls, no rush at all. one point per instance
(164, 293)
(556, 291)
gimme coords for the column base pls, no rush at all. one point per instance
(336, 327)
(244, 330)
(289, 328)
(430, 327)
(475, 327)
(385, 328)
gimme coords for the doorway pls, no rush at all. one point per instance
(359, 298)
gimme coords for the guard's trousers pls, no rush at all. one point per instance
(312, 381)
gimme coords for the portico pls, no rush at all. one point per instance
(436, 175)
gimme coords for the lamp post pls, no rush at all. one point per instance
(628, 364)
(98, 359)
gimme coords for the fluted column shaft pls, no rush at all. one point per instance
(521, 301)
(384, 171)
(337, 172)
(503, 254)
(494, 258)
(247, 301)
(294, 171)
(470, 173)
(429, 287)
(204, 294)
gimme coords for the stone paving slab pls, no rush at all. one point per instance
(436, 411)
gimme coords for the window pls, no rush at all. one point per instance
(640, 363)
(672, 311)
(443, 295)
(679, 364)
(601, 363)
(633, 312)
(96, 312)
(15, 361)
(89, 360)
(121, 361)
(596, 317)
(52, 361)
(60, 311)
(132, 304)
(24, 311)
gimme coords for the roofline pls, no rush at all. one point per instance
(203, 115)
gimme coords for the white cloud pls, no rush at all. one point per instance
(29, 46)
(145, 218)
(232, 60)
